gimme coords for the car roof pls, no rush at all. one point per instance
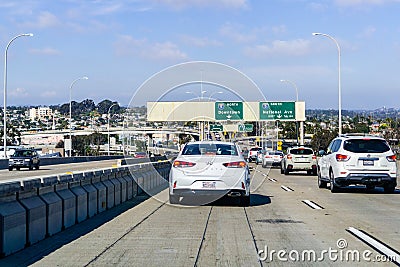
(210, 142)
(359, 136)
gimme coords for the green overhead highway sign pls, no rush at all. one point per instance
(216, 128)
(229, 111)
(277, 111)
(245, 127)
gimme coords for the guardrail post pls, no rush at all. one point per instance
(68, 200)
(53, 205)
(92, 193)
(101, 191)
(80, 196)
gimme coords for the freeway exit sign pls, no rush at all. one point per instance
(216, 127)
(277, 111)
(245, 127)
(229, 111)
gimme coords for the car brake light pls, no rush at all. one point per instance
(183, 164)
(391, 158)
(314, 157)
(289, 156)
(236, 164)
(341, 157)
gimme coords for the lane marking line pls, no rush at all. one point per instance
(376, 244)
(272, 180)
(312, 204)
(286, 188)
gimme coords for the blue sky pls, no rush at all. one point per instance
(119, 44)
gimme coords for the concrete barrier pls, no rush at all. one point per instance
(12, 219)
(36, 208)
(91, 191)
(35, 211)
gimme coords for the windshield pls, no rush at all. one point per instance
(301, 151)
(22, 153)
(210, 149)
(366, 146)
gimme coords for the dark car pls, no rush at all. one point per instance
(24, 158)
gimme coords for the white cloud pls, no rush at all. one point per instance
(293, 48)
(127, 45)
(45, 51)
(19, 92)
(233, 32)
(180, 4)
(362, 2)
(200, 42)
(368, 32)
(44, 20)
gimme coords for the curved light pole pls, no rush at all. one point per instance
(219, 92)
(297, 99)
(108, 127)
(70, 111)
(5, 89)
(340, 89)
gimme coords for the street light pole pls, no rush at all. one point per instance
(70, 111)
(108, 127)
(301, 125)
(339, 89)
(5, 90)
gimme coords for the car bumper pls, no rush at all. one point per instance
(301, 167)
(377, 179)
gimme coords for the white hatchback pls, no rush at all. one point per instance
(358, 160)
(209, 170)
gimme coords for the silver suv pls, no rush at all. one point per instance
(357, 160)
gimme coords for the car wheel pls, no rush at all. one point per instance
(286, 171)
(333, 187)
(263, 165)
(173, 199)
(370, 187)
(30, 167)
(37, 167)
(389, 189)
(17, 168)
(282, 171)
(10, 168)
(321, 184)
(245, 201)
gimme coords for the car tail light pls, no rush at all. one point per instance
(289, 156)
(183, 164)
(341, 157)
(391, 158)
(314, 157)
(236, 164)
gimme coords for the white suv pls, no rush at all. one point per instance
(299, 159)
(357, 159)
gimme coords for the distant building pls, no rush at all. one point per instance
(40, 113)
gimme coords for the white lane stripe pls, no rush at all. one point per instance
(286, 188)
(377, 245)
(272, 180)
(312, 204)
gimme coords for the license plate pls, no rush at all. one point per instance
(368, 162)
(209, 184)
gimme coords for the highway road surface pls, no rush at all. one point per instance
(290, 222)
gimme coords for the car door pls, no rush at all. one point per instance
(324, 161)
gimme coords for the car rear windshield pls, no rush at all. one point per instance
(255, 149)
(366, 146)
(301, 151)
(210, 149)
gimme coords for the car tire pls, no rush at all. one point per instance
(30, 167)
(37, 167)
(282, 171)
(333, 187)
(10, 168)
(321, 184)
(173, 199)
(370, 187)
(389, 189)
(17, 168)
(245, 201)
(286, 172)
(264, 166)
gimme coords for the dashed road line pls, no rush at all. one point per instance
(312, 204)
(272, 180)
(286, 188)
(376, 244)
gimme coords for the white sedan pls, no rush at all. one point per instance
(209, 170)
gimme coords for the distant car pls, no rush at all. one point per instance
(259, 157)
(299, 159)
(24, 158)
(253, 153)
(140, 155)
(358, 159)
(209, 169)
(272, 158)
